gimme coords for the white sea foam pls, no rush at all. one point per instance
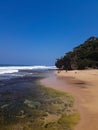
(14, 69)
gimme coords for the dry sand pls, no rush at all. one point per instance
(83, 85)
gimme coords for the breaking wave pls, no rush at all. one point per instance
(14, 69)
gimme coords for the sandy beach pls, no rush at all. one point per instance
(83, 85)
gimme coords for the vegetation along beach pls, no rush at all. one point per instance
(79, 69)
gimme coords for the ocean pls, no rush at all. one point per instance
(15, 70)
(18, 89)
(25, 104)
(17, 76)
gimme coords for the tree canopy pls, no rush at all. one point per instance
(83, 56)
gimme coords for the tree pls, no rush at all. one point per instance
(83, 56)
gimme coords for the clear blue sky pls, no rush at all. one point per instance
(36, 32)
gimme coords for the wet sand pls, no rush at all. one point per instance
(83, 85)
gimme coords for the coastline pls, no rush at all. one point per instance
(83, 86)
(26, 104)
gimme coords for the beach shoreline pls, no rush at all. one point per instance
(82, 84)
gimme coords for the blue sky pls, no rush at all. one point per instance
(36, 32)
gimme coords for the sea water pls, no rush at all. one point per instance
(7, 72)
(17, 86)
(20, 77)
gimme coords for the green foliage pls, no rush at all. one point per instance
(82, 56)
